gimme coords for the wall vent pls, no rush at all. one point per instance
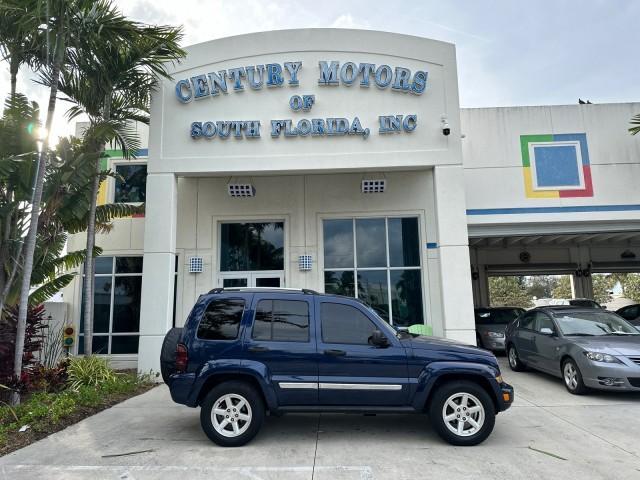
(374, 186)
(196, 265)
(305, 262)
(242, 190)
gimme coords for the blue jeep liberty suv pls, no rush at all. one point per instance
(245, 352)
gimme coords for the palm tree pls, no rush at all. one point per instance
(17, 44)
(635, 121)
(69, 24)
(18, 155)
(65, 206)
(112, 86)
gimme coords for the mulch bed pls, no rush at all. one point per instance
(19, 440)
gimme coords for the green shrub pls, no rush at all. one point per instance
(89, 371)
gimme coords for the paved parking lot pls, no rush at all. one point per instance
(546, 434)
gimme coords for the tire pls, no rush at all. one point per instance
(572, 378)
(513, 358)
(476, 398)
(232, 432)
(168, 353)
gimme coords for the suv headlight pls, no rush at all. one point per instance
(601, 357)
(494, 334)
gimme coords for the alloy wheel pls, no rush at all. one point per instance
(231, 415)
(570, 376)
(513, 358)
(463, 414)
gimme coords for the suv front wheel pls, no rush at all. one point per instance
(232, 413)
(462, 413)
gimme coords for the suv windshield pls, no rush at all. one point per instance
(596, 323)
(500, 316)
(386, 327)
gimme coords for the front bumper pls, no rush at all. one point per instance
(506, 397)
(493, 344)
(611, 376)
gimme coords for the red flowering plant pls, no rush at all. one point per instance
(34, 376)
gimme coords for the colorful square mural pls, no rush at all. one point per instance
(556, 166)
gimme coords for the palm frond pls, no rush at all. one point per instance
(50, 288)
(110, 211)
(636, 122)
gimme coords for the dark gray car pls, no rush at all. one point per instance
(631, 313)
(587, 348)
(491, 323)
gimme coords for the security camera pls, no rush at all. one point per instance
(446, 129)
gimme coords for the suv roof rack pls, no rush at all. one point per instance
(305, 291)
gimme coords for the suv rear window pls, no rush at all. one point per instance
(221, 319)
(281, 321)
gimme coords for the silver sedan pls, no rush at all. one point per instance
(587, 348)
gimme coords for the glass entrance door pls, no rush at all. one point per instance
(251, 279)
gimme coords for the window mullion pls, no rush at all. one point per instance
(355, 259)
(388, 273)
(113, 291)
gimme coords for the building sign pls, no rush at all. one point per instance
(275, 75)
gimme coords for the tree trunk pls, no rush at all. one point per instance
(30, 241)
(89, 265)
(89, 279)
(14, 66)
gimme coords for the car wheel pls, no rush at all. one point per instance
(515, 363)
(232, 413)
(462, 413)
(573, 378)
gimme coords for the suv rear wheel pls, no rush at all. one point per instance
(232, 413)
(462, 413)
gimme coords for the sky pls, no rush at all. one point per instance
(509, 52)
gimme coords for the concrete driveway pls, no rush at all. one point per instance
(547, 434)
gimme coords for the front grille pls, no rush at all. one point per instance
(635, 360)
(634, 381)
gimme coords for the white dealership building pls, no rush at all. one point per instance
(340, 161)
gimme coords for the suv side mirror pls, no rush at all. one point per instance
(379, 339)
(546, 331)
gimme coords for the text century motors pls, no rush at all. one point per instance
(276, 75)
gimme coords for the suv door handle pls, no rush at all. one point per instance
(256, 348)
(335, 353)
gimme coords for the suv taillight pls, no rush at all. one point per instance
(182, 358)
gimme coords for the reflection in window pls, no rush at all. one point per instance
(116, 306)
(373, 290)
(339, 282)
(338, 243)
(221, 320)
(406, 297)
(344, 324)
(370, 242)
(131, 183)
(252, 246)
(378, 261)
(281, 321)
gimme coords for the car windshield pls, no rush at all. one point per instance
(596, 323)
(500, 316)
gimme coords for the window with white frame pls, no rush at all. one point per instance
(130, 183)
(378, 261)
(116, 307)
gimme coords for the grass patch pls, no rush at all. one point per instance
(46, 413)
